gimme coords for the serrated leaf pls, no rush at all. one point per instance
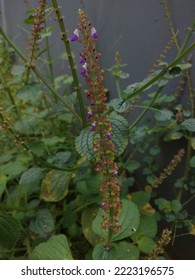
(119, 251)
(55, 185)
(176, 205)
(60, 158)
(34, 174)
(27, 125)
(12, 168)
(147, 227)
(163, 115)
(173, 135)
(84, 143)
(43, 223)
(119, 133)
(129, 220)
(18, 70)
(140, 198)
(9, 231)
(56, 248)
(120, 105)
(146, 244)
(30, 92)
(54, 140)
(132, 165)
(189, 124)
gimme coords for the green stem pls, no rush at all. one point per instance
(50, 62)
(162, 72)
(187, 38)
(146, 109)
(118, 87)
(71, 61)
(39, 75)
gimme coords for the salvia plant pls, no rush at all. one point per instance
(69, 169)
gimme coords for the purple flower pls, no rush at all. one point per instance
(84, 70)
(109, 137)
(89, 114)
(116, 174)
(82, 60)
(93, 126)
(102, 205)
(75, 36)
(94, 33)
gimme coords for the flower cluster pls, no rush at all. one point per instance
(160, 245)
(168, 170)
(101, 128)
(38, 26)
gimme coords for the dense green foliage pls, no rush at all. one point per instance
(49, 191)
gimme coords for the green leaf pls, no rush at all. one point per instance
(163, 204)
(173, 135)
(43, 223)
(28, 125)
(38, 148)
(87, 218)
(34, 174)
(54, 186)
(164, 115)
(119, 251)
(53, 140)
(119, 105)
(60, 159)
(84, 142)
(29, 20)
(3, 182)
(146, 244)
(56, 248)
(176, 205)
(30, 92)
(9, 231)
(155, 150)
(12, 168)
(147, 227)
(132, 165)
(189, 124)
(140, 198)
(129, 220)
(93, 183)
(18, 70)
(192, 162)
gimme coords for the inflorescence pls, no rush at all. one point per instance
(38, 26)
(100, 126)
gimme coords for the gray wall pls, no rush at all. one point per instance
(137, 29)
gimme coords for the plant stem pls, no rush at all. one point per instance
(162, 72)
(39, 75)
(50, 62)
(180, 50)
(71, 61)
(118, 87)
(146, 109)
(187, 38)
